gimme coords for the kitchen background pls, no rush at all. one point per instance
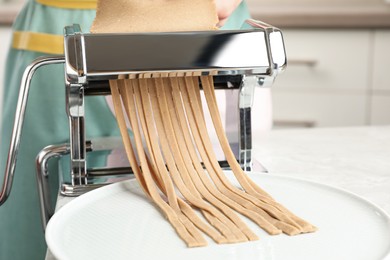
(338, 54)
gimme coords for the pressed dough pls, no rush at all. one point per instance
(166, 112)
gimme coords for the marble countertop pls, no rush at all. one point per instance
(356, 159)
(353, 158)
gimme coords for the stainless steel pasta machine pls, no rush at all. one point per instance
(242, 59)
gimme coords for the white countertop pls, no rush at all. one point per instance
(356, 159)
(353, 158)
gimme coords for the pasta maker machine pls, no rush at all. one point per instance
(242, 59)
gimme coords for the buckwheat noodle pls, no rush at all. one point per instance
(170, 152)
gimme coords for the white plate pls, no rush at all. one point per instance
(118, 222)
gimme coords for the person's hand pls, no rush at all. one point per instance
(225, 8)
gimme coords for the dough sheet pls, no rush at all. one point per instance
(120, 16)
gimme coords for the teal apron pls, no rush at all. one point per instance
(21, 235)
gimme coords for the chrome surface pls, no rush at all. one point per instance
(224, 52)
(235, 52)
(245, 102)
(75, 104)
(19, 120)
(70, 190)
(74, 66)
(41, 162)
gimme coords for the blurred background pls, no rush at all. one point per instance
(338, 60)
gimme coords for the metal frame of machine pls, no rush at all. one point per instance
(243, 59)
